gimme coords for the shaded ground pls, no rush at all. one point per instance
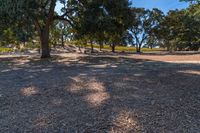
(102, 93)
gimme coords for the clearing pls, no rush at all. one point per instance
(100, 93)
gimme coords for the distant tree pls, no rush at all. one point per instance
(103, 21)
(156, 17)
(141, 26)
(180, 30)
(119, 14)
(15, 31)
(55, 35)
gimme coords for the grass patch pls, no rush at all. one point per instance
(5, 50)
(121, 48)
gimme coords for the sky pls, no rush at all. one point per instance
(164, 5)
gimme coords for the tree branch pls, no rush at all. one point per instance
(64, 19)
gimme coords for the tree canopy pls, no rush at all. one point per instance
(104, 22)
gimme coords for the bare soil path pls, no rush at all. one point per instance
(100, 93)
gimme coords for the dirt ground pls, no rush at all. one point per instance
(75, 93)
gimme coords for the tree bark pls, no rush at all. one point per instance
(62, 39)
(92, 47)
(113, 48)
(44, 30)
(100, 45)
(138, 48)
(44, 38)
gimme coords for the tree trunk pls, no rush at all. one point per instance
(44, 38)
(92, 47)
(44, 30)
(62, 39)
(100, 45)
(113, 48)
(168, 48)
(138, 48)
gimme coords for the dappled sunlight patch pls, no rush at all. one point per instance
(29, 91)
(97, 98)
(190, 72)
(70, 61)
(82, 62)
(42, 122)
(40, 70)
(113, 66)
(139, 63)
(99, 66)
(94, 92)
(138, 74)
(126, 121)
(98, 93)
(83, 74)
(128, 78)
(96, 86)
(75, 88)
(76, 84)
(21, 62)
(46, 69)
(76, 79)
(6, 70)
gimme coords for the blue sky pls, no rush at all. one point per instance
(164, 5)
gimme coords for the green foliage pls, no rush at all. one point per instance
(102, 21)
(8, 37)
(144, 26)
(99, 21)
(180, 30)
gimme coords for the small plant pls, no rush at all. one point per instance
(21, 50)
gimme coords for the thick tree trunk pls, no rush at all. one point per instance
(44, 38)
(43, 30)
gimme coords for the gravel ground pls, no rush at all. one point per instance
(76, 93)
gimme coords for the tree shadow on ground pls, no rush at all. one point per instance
(98, 94)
